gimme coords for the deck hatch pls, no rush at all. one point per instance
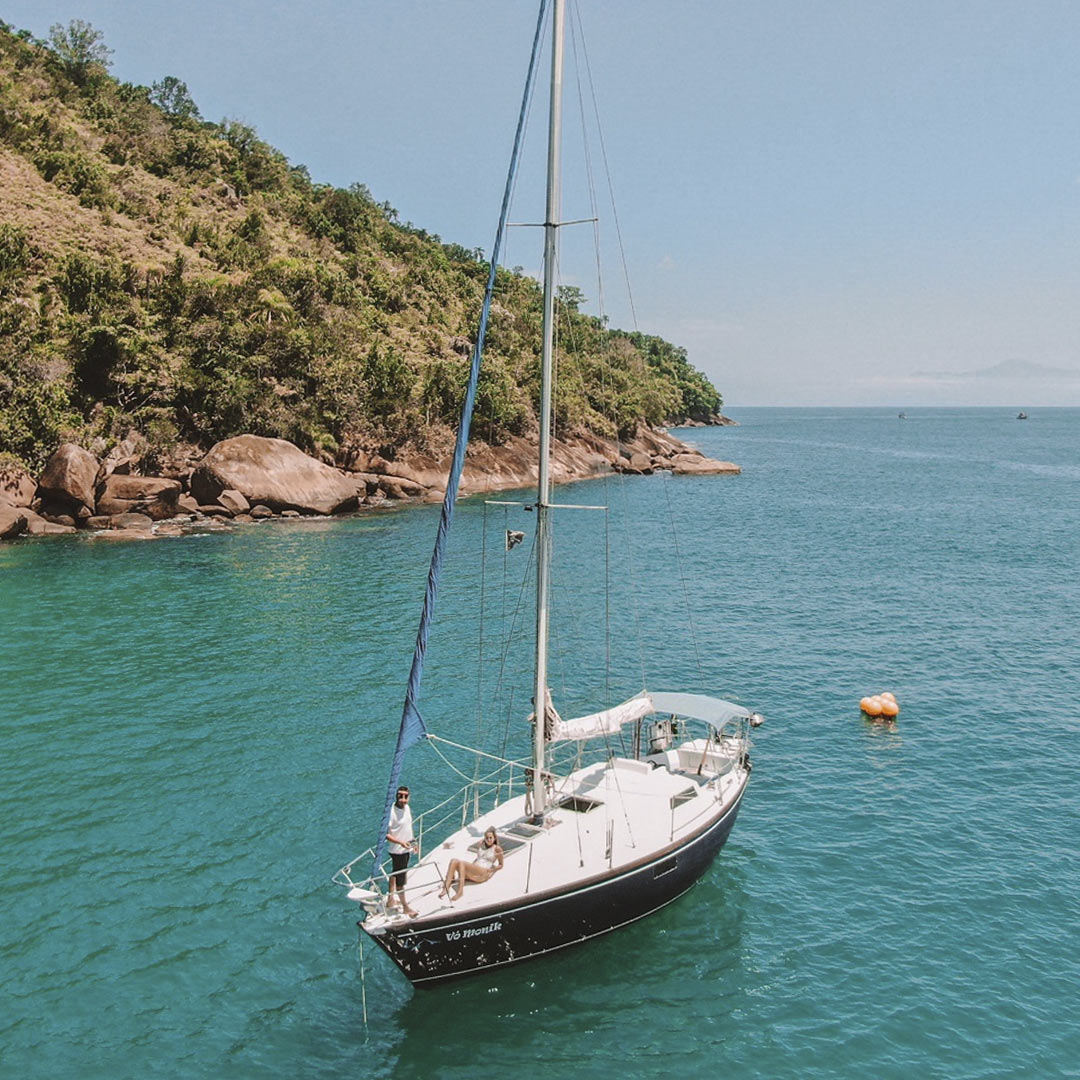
(524, 830)
(578, 804)
(508, 844)
(683, 797)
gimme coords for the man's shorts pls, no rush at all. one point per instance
(397, 871)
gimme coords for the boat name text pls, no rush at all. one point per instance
(473, 931)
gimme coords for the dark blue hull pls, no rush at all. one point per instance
(433, 950)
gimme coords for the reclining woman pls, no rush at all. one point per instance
(489, 858)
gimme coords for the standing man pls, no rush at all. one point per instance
(400, 839)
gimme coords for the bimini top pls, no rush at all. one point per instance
(711, 710)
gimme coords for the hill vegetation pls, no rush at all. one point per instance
(181, 277)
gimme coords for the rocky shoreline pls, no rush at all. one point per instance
(250, 478)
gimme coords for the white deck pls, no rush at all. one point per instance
(644, 809)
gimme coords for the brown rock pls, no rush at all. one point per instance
(124, 458)
(123, 486)
(420, 471)
(261, 512)
(131, 521)
(69, 477)
(213, 510)
(17, 486)
(234, 502)
(688, 457)
(703, 466)
(12, 521)
(366, 483)
(272, 472)
(36, 525)
(355, 459)
(122, 493)
(188, 504)
(126, 535)
(397, 487)
(61, 519)
(61, 511)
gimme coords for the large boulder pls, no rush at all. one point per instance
(149, 495)
(17, 486)
(12, 521)
(697, 465)
(272, 472)
(634, 462)
(124, 458)
(132, 520)
(69, 478)
(36, 525)
(234, 502)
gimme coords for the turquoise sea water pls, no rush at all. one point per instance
(197, 733)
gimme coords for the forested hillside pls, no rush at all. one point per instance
(181, 277)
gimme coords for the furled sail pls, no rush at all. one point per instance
(602, 723)
(412, 728)
(712, 710)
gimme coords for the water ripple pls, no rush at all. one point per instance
(188, 764)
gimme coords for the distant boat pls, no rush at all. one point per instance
(1021, 416)
(901, 416)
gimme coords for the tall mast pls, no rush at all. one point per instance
(543, 491)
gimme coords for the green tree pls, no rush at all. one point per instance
(80, 48)
(171, 96)
(570, 296)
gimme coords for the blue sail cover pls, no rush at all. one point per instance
(412, 723)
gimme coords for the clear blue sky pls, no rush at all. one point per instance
(825, 201)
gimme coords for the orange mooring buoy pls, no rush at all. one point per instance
(883, 704)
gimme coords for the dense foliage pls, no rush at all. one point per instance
(177, 276)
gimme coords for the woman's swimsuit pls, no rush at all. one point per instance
(485, 857)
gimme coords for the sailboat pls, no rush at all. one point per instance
(589, 846)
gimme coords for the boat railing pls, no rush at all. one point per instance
(373, 891)
(454, 812)
(472, 799)
(485, 793)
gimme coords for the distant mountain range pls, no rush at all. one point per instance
(1007, 369)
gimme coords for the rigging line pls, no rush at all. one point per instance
(607, 170)
(472, 750)
(607, 605)
(480, 635)
(614, 773)
(470, 780)
(634, 604)
(505, 571)
(682, 577)
(607, 346)
(605, 342)
(575, 30)
(509, 640)
(412, 727)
